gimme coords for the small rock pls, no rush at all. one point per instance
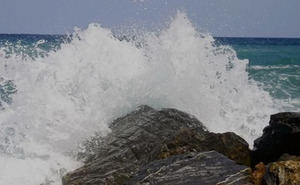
(258, 174)
(286, 171)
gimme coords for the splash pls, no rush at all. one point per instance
(70, 93)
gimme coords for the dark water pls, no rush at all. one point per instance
(30, 44)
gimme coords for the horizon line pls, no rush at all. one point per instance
(250, 37)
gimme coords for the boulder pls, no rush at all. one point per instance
(205, 168)
(285, 171)
(281, 136)
(146, 135)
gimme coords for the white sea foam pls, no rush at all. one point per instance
(66, 96)
(256, 67)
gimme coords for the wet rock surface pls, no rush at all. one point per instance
(281, 136)
(168, 146)
(206, 168)
(188, 140)
(148, 135)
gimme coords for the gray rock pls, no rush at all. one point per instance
(206, 168)
(146, 135)
(188, 140)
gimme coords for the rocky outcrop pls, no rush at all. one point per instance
(281, 136)
(147, 135)
(206, 168)
(286, 171)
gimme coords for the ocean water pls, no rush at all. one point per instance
(57, 90)
(274, 63)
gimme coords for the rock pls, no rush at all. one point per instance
(258, 174)
(187, 140)
(286, 171)
(206, 168)
(147, 135)
(135, 140)
(281, 136)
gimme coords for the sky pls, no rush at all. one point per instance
(233, 18)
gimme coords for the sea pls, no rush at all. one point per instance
(58, 90)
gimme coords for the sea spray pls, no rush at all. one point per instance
(68, 94)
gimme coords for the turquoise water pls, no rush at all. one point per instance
(274, 63)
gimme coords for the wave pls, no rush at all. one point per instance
(259, 67)
(76, 90)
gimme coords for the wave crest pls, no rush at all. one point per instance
(72, 92)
